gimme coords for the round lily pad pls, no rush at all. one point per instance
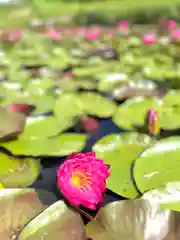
(15, 172)
(57, 221)
(120, 151)
(97, 105)
(12, 123)
(167, 195)
(19, 206)
(158, 165)
(41, 127)
(131, 114)
(62, 145)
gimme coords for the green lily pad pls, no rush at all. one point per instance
(19, 206)
(67, 107)
(167, 195)
(158, 165)
(62, 145)
(56, 222)
(17, 172)
(132, 113)
(120, 151)
(96, 105)
(12, 124)
(41, 127)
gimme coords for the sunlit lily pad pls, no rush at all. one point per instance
(41, 127)
(62, 145)
(120, 150)
(158, 165)
(56, 222)
(15, 172)
(132, 113)
(134, 219)
(167, 195)
(96, 105)
(11, 123)
(19, 206)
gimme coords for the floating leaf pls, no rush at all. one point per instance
(62, 145)
(11, 123)
(167, 195)
(56, 222)
(119, 151)
(96, 105)
(41, 127)
(158, 165)
(15, 172)
(132, 113)
(18, 207)
(134, 219)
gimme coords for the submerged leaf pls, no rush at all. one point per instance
(134, 219)
(56, 222)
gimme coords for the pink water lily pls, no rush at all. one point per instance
(53, 34)
(176, 35)
(152, 122)
(149, 39)
(81, 179)
(123, 25)
(172, 24)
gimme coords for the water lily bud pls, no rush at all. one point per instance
(81, 179)
(153, 122)
(21, 108)
(149, 39)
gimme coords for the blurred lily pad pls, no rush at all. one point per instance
(11, 123)
(158, 165)
(57, 221)
(41, 127)
(96, 105)
(15, 172)
(120, 151)
(19, 206)
(62, 145)
(167, 195)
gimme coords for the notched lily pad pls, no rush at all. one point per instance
(120, 151)
(158, 165)
(56, 222)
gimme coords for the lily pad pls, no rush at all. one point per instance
(17, 172)
(41, 127)
(132, 113)
(120, 151)
(56, 222)
(167, 195)
(19, 206)
(62, 145)
(96, 105)
(11, 123)
(134, 219)
(158, 165)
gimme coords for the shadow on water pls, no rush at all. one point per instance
(47, 179)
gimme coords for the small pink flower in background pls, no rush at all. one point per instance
(81, 178)
(172, 25)
(13, 35)
(176, 35)
(149, 39)
(152, 122)
(93, 33)
(53, 34)
(124, 25)
(68, 74)
(21, 108)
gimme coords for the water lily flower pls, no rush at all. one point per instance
(172, 24)
(124, 25)
(152, 122)
(81, 179)
(53, 34)
(149, 39)
(176, 35)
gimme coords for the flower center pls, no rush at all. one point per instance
(81, 180)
